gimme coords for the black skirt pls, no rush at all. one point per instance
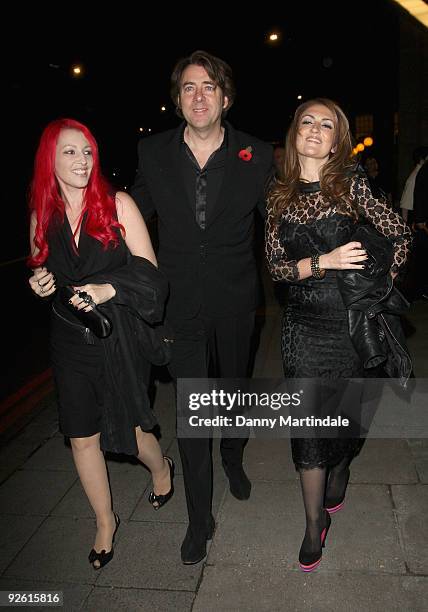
(78, 369)
(315, 343)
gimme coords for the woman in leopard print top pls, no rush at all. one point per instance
(312, 213)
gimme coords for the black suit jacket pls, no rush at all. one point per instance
(213, 268)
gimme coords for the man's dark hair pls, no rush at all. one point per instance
(218, 71)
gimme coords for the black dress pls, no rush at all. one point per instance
(315, 340)
(100, 385)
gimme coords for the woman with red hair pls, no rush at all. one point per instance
(86, 237)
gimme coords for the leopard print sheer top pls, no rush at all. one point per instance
(377, 211)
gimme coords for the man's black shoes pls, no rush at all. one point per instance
(194, 547)
(240, 486)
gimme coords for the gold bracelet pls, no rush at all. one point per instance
(317, 272)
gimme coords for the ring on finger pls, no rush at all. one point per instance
(88, 299)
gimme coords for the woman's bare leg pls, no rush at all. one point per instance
(150, 453)
(92, 470)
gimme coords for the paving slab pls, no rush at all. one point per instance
(55, 454)
(138, 600)
(38, 431)
(15, 531)
(411, 504)
(227, 588)
(422, 470)
(58, 550)
(364, 534)
(419, 448)
(148, 556)
(384, 461)
(244, 528)
(5, 473)
(268, 529)
(31, 492)
(14, 454)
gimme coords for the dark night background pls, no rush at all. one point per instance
(347, 51)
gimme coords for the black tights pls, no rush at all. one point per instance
(316, 488)
(313, 486)
(337, 482)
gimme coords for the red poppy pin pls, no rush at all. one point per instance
(245, 154)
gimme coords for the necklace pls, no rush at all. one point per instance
(75, 220)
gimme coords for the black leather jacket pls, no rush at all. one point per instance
(374, 307)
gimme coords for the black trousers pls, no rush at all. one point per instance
(209, 347)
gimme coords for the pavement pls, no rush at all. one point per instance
(376, 557)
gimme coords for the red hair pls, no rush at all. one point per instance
(45, 199)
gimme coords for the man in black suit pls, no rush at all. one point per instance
(205, 180)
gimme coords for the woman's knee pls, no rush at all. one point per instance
(142, 435)
(83, 444)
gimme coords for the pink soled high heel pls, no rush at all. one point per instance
(333, 509)
(309, 560)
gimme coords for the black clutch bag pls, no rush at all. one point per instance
(97, 322)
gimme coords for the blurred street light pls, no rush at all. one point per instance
(76, 70)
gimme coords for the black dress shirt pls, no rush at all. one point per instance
(203, 185)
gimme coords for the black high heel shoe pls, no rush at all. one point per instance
(104, 557)
(309, 560)
(158, 501)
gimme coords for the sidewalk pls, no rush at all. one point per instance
(376, 556)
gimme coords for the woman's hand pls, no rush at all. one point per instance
(98, 294)
(346, 257)
(42, 282)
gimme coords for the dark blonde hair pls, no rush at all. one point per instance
(335, 175)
